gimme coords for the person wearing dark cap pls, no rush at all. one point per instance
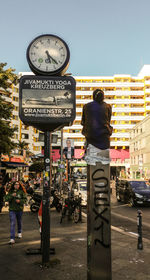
(96, 117)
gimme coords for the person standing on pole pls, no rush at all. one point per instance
(97, 130)
(96, 118)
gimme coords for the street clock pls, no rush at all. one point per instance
(48, 55)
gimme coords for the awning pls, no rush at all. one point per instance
(38, 156)
(12, 164)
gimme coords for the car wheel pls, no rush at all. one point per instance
(131, 202)
(118, 197)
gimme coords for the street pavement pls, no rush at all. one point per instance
(70, 259)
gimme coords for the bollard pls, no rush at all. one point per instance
(80, 209)
(139, 227)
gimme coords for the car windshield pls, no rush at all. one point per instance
(83, 187)
(139, 185)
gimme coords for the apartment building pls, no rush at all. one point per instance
(130, 100)
(140, 149)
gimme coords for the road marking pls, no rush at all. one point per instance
(122, 231)
(129, 219)
(136, 234)
(117, 206)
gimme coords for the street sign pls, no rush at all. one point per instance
(47, 103)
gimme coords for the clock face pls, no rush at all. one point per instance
(48, 54)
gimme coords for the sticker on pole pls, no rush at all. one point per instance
(47, 102)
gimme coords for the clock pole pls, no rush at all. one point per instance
(46, 201)
(38, 107)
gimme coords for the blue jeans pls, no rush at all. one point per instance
(15, 215)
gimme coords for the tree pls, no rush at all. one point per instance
(22, 145)
(7, 79)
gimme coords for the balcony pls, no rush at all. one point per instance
(119, 143)
(121, 135)
(74, 126)
(127, 118)
(24, 131)
(147, 90)
(94, 84)
(128, 109)
(83, 101)
(73, 135)
(125, 101)
(147, 108)
(87, 92)
(79, 110)
(107, 84)
(78, 118)
(125, 92)
(123, 126)
(37, 144)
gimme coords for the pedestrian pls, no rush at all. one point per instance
(16, 198)
(2, 194)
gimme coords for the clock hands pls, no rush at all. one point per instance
(50, 58)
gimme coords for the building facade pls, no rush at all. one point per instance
(130, 100)
(140, 149)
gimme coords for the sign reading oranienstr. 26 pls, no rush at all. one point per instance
(47, 103)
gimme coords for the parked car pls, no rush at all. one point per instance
(79, 186)
(134, 192)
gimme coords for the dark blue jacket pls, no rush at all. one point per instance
(96, 124)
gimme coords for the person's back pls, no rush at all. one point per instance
(96, 122)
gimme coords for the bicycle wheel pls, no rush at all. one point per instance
(63, 214)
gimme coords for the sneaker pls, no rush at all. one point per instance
(19, 235)
(12, 241)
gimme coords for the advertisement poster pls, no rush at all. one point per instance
(68, 149)
(47, 99)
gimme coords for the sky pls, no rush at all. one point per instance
(105, 37)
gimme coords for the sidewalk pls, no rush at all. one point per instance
(69, 241)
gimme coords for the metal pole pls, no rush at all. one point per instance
(51, 159)
(67, 170)
(139, 226)
(61, 159)
(46, 202)
(98, 223)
